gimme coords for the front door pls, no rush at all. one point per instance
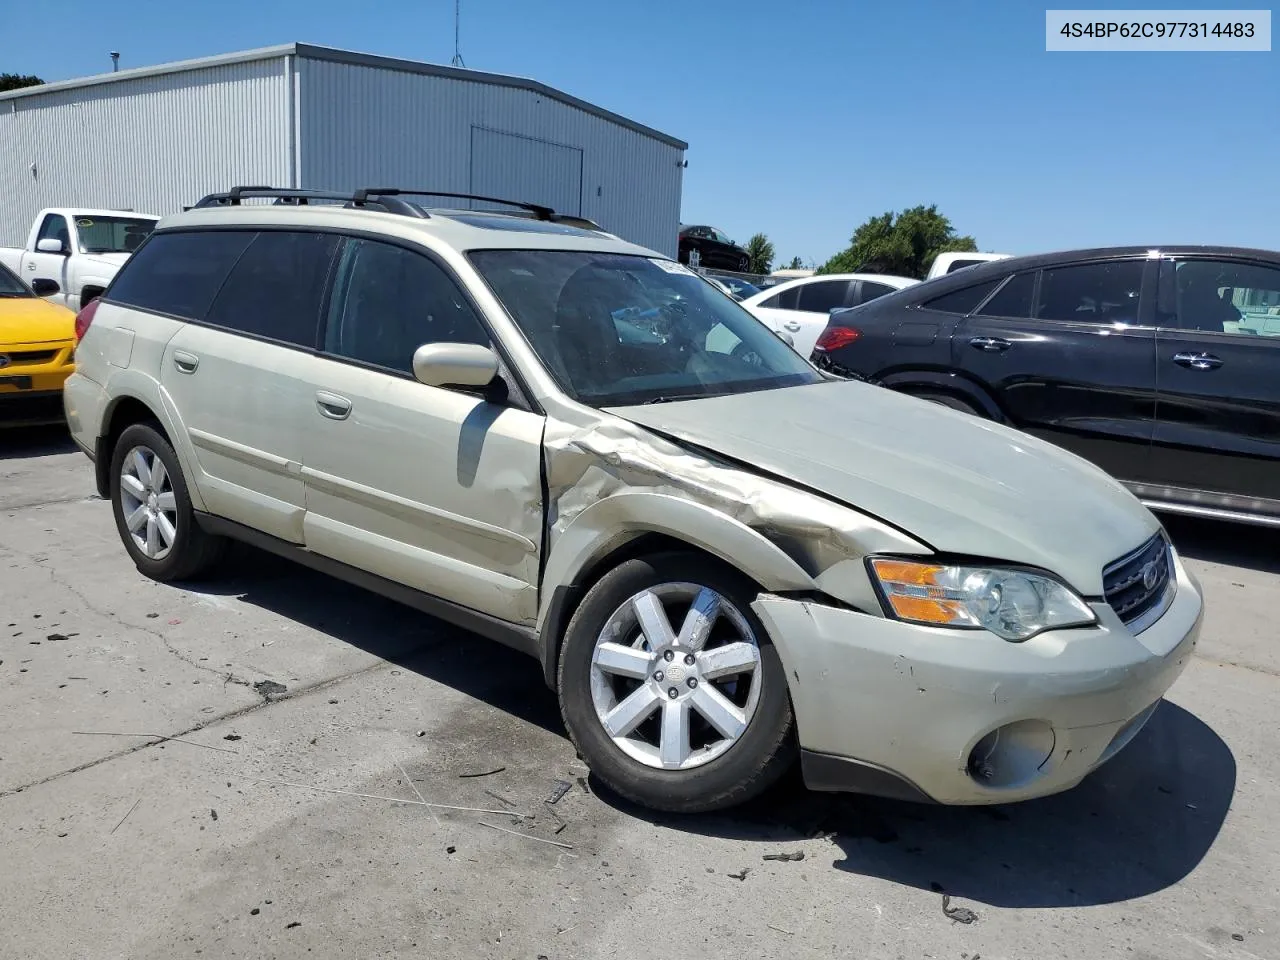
(51, 266)
(438, 489)
(1218, 371)
(1070, 357)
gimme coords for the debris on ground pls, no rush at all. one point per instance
(153, 616)
(1238, 937)
(958, 914)
(558, 789)
(232, 736)
(500, 798)
(59, 636)
(290, 926)
(784, 857)
(582, 782)
(374, 796)
(333, 701)
(790, 933)
(527, 836)
(482, 773)
(62, 834)
(254, 912)
(174, 622)
(740, 876)
(451, 849)
(269, 688)
(213, 813)
(422, 733)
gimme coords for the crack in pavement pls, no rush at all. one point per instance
(15, 507)
(1251, 667)
(295, 693)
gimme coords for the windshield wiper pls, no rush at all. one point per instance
(645, 403)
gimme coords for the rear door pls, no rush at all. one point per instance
(1069, 355)
(435, 488)
(1218, 373)
(240, 376)
(802, 311)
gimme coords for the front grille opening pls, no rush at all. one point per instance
(1136, 584)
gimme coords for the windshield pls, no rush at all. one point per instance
(615, 330)
(10, 285)
(112, 234)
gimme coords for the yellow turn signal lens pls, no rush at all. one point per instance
(914, 592)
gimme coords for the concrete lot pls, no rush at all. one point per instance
(126, 846)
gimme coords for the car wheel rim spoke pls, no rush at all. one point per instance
(729, 660)
(674, 746)
(167, 502)
(136, 519)
(133, 486)
(674, 701)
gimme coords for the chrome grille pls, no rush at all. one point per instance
(1135, 584)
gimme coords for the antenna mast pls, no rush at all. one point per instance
(457, 26)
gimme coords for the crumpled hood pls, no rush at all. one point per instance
(32, 320)
(961, 484)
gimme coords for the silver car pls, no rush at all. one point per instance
(722, 558)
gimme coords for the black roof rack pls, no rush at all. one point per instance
(387, 198)
(294, 197)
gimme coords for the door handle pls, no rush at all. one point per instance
(1197, 361)
(31, 266)
(185, 362)
(333, 406)
(793, 326)
(990, 344)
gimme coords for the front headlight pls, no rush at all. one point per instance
(1013, 604)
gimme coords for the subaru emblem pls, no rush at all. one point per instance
(1150, 574)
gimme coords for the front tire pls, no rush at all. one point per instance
(153, 509)
(670, 687)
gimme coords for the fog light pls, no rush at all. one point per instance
(1012, 755)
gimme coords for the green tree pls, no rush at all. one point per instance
(13, 81)
(795, 264)
(902, 244)
(760, 250)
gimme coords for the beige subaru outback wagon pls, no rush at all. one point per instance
(722, 558)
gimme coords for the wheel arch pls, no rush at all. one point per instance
(944, 381)
(634, 524)
(139, 399)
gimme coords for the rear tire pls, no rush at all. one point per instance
(676, 757)
(153, 508)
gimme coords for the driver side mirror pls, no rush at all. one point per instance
(50, 245)
(44, 287)
(454, 365)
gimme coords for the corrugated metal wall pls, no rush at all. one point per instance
(367, 126)
(152, 144)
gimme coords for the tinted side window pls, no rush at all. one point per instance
(823, 295)
(786, 300)
(276, 287)
(1225, 297)
(389, 301)
(55, 228)
(1091, 292)
(964, 300)
(872, 290)
(961, 264)
(179, 273)
(1014, 298)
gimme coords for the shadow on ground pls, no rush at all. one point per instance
(22, 442)
(1234, 544)
(1138, 825)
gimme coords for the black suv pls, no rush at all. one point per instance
(1160, 365)
(715, 250)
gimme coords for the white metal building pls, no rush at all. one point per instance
(158, 138)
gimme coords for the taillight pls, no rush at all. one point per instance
(833, 338)
(84, 318)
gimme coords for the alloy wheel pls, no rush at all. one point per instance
(676, 699)
(148, 503)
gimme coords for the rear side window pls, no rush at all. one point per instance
(388, 301)
(786, 300)
(964, 300)
(872, 290)
(276, 287)
(179, 273)
(1014, 298)
(824, 295)
(1091, 292)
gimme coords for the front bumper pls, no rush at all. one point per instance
(31, 382)
(909, 711)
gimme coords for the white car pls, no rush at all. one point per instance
(72, 253)
(798, 310)
(945, 263)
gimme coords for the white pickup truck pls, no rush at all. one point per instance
(72, 254)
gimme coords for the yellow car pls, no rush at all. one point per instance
(37, 354)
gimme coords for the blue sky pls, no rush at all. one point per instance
(805, 118)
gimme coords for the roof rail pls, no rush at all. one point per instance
(295, 197)
(539, 210)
